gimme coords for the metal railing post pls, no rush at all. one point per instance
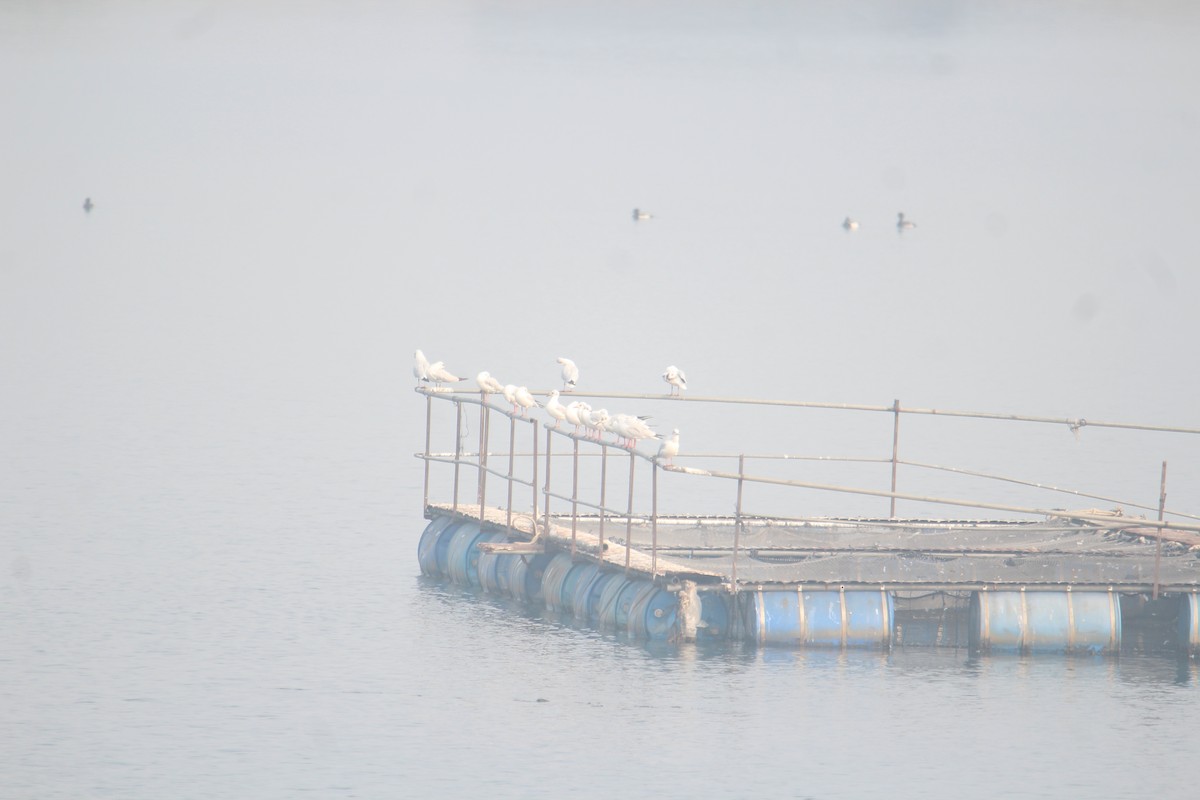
(457, 448)
(428, 429)
(574, 496)
(654, 521)
(547, 492)
(1162, 504)
(484, 438)
(512, 453)
(629, 514)
(895, 453)
(533, 483)
(603, 493)
(737, 526)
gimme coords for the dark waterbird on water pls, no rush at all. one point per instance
(88, 205)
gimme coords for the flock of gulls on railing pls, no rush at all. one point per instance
(590, 423)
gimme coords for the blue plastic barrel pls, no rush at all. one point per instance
(580, 574)
(606, 605)
(1045, 622)
(499, 577)
(553, 579)
(588, 592)
(488, 570)
(819, 618)
(462, 555)
(618, 599)
(653, 614)
(1189, 622)
(714, 614)
(426, 555)
(524, 577)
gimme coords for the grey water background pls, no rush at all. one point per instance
(208, 504)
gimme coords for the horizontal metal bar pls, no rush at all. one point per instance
(917, 586)
(1047, 487)
(890, 409)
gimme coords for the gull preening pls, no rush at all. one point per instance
(669, 448)
(420, 367)
(439, 374)
(555, 408)
(570, 374)
(435, 372)
(677, 380)
(903, 224)
(488, 384)
(850, 225)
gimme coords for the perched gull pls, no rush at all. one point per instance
(619, 425)
(510, 394)
(903, 224)
(556, 409)
(850, 225)
(488, 384)
(669, 448)
(88, 205)
(639, 215)
(572, 414)
(525, 400)
(579, 413)
(638, 430)
(598, 422)
(439, 374)
(420, 367)
(675, 377)
(570, 374)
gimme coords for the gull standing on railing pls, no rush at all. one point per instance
(439, 374)
(570, 374)
(510, 394)
(677, 380)
(669, 449)
(555, 408)
(488, 384)
(525, 400)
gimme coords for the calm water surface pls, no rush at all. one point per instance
(208, 505)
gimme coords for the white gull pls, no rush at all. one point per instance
(488, 384)
(675, 377)
(570, 374)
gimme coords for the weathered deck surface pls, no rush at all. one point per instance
(587, 543)
(913, 554)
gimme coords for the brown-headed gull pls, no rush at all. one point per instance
(669, 448)
(525, 400)
(570, 374)
(555, 408)
(675, 377)
(488, 384)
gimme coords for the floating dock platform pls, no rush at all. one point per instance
(1043, 581)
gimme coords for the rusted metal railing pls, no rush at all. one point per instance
(545, 493)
